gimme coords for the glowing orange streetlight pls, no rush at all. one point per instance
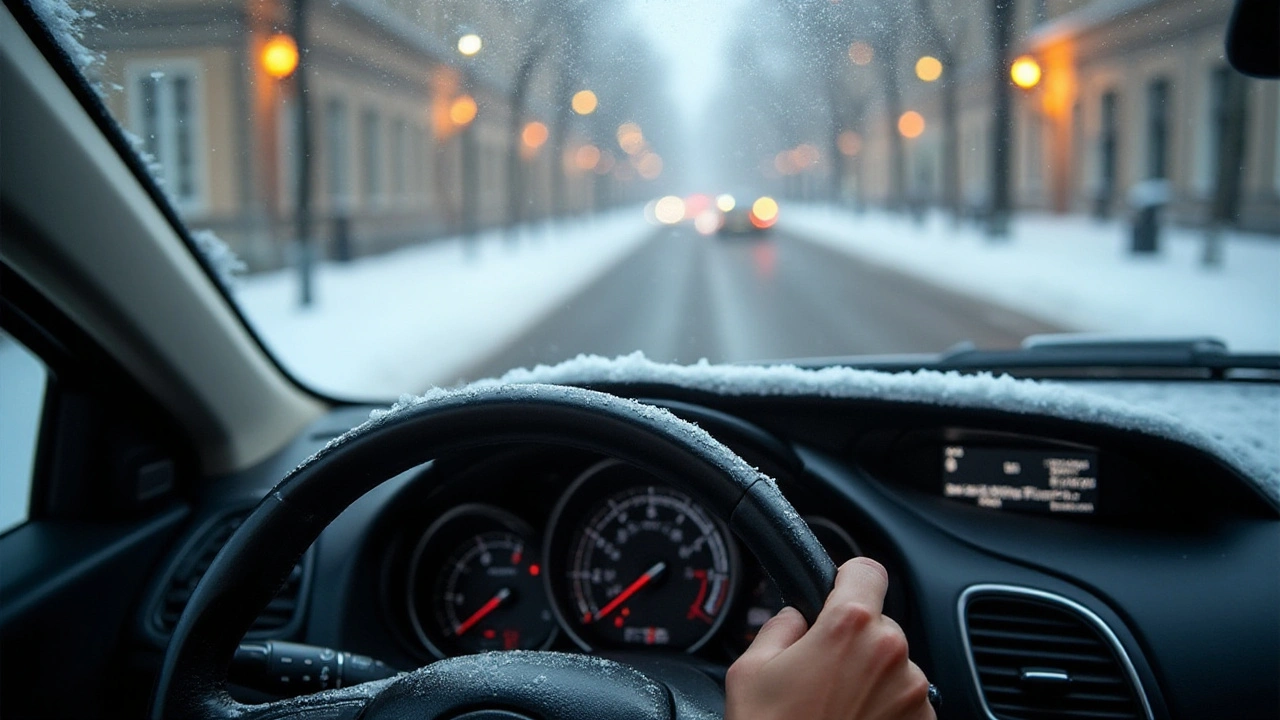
(1025, 72)
(534, 135)
(911, 124)
(463, 110)
(630, 138)
(587, 157)
(584, 102)
(280, 56)
(928, 68)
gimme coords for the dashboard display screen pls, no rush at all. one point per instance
(1021, 480)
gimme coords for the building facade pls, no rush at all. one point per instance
(1130, 91)
(394, 157)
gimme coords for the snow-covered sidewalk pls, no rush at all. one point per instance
(417, 317)
(1075, 271)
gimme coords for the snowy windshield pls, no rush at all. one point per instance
(400, 194)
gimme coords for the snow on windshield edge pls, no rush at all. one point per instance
(66, 24)
(221, 259)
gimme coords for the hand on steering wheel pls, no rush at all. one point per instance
(852, 664)
(257, 560)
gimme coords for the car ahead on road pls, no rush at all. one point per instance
(749, 217)
(1079, 527)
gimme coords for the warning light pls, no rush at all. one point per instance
(490, 634)
(535, 569)
(510, 639)
(617, 622)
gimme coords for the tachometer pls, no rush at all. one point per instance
(476, 585)
(647, 567)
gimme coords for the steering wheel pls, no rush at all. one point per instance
(517, 685)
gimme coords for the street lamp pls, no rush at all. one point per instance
(534, 135)
(928, 68)
(911, 124)
(280, 56)
(463, 110)
(1025, 72)
(584, 102)
(470, 44)
(631, 138)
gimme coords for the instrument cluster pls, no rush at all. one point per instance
(619, 562)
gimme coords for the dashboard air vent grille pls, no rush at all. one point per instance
(277, 619)
(1037, 659)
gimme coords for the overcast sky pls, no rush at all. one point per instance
(691, 36)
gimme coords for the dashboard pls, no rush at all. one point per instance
(1038, 565)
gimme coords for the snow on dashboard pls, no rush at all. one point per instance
(1239, 423)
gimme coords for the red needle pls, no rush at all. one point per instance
(485, 609)
(622, 597)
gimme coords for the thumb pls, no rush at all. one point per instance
(779, 633)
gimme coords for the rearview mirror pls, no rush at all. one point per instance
(1253, 38)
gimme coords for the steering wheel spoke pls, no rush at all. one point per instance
(341, 704)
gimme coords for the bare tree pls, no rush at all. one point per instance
(946, 50)
(558, 33)
(1002, 18)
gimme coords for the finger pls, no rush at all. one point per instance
(916, 700)
(779, 633)
(861, 581)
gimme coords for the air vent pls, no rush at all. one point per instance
(1038, 656)
(279, 618)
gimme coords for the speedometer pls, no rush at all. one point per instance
(647, 566)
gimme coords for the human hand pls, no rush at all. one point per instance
(852, 664)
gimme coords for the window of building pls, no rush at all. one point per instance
(1158, 91)
(22, 384)
(1209, 144)
(400, 155)
(371, 136)
(335, 117)
(164, 112)
(1108, 143)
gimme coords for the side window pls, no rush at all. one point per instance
(22, 385)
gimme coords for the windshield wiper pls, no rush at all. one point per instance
(1081, 355)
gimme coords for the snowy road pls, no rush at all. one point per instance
(683, 297)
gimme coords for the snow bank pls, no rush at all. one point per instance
(423, 315)
(1075, 272)
(1239, 423)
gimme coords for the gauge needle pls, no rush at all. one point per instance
(640, 582)
(493, 603)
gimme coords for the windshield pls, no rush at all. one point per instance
(406, 193)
